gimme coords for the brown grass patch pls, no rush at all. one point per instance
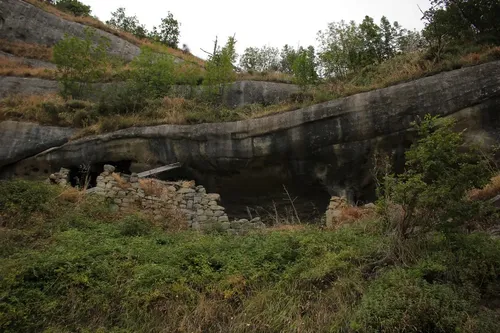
(71, 194)
(151, 187)
(175, 221)
(28, 108)
(26, 50)
(266, 76)
(488, 192)
(14, 67)
(120, 182)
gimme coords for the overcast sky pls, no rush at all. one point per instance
(260, 22)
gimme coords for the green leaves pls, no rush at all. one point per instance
(81, 62)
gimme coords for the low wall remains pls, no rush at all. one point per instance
(163, 199)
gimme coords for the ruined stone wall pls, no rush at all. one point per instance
(163, 200)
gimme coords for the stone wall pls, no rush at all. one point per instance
(164, 199)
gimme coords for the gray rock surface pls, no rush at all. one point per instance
(246, 92)
(11, 85)
(25, 22)
(332, 142)
(21, 140)
(238, 93)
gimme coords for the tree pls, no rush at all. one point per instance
(304, 67)
(440, 170)
(119, 20)
(220, 67)
(349, 47)
(80, 62)
(287, 58)
(152, 74)
(74, 6)
(260, 60)
(249, 61)
(168, 32)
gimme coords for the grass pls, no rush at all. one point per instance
(13, 67)
(26, 50)
(266, 76)
(74, 265)
(488, 192)
(95, 23)
(53, 110)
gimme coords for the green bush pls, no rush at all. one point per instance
(401, 301)
(19, 199)
(440, 170)
(81, 62)
(133, 225)
(152, 74)
(74, 7)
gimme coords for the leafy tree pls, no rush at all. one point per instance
(287, 58)
(249, 61)
(348, 47)
(152, 74)
(168, 32)
(80, 62)
(440, 170)
(120, 20)
(304, 67)
(73, 6)
(465, 19)
(261, 60)
(220, 67)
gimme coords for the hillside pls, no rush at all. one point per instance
(351, 186)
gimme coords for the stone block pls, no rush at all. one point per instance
(213, 196)
(109, 168)
(214, 208)
(212, 203)
(218, 213)
(223, 218)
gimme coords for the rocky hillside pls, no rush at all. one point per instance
(25, 22)
(332, 142)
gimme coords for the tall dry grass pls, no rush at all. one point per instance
(27, 50)
(488, 192)
(14, 67)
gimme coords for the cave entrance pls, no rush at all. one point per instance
(271, 194)
(86, 175)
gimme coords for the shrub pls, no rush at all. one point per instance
(152, 74)
(80, 62)
(19, 199)
(220, 70)
(304, 67)
(400, 301)
(134, 225)
(74, 6)
(440, 171)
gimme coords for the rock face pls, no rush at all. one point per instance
(237, 94)
(11, 85)
(22, 140)
(332, 142)
(25, 22)
(246, 92)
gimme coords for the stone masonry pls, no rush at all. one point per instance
(161, 199)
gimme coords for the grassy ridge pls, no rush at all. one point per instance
(71, 265)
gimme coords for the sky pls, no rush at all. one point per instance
(259, 22)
